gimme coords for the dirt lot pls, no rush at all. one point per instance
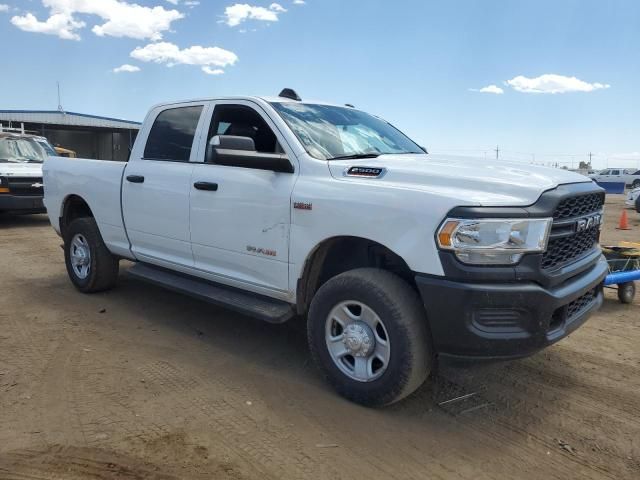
(143, 383)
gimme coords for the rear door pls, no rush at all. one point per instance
(616, 175)
(240, 232)
(157, 184)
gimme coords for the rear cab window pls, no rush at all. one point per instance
(172, 134)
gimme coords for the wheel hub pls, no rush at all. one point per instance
(80, 254)
(359, 339)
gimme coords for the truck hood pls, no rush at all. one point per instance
(476, 181)
(20, 169)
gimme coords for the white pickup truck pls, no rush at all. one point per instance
(281, 209)
(630, 176)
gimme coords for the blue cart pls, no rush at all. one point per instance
(624, 270)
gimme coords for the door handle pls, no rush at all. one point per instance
(209, 186)
(135, 178)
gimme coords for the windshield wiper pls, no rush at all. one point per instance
(355, 156)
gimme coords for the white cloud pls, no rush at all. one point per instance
(212, 71)
(174, 2)
(126, 68)
(60, 24)
(276, 7)
(240, 12)
(211, 59)
(121, 19)
(191, 3)
(552, 83)
(299, 2)
(4, 7)
(489, 89)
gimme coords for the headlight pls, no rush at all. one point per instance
(494, 241)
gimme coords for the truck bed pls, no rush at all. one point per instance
(99, 183)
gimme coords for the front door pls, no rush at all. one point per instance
(240, 232)
(156, 189)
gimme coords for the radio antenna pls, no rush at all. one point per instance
(60, 109)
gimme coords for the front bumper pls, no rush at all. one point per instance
(507, 320)
(21, 203)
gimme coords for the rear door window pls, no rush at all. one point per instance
(171, 136)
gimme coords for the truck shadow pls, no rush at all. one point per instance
(17, 221)
(464, 391)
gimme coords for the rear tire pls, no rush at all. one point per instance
(627, 292)
(90, 265)
(379, 321)
(635, 184)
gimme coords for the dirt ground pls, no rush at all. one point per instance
(143, 383)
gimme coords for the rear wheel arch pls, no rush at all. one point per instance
(74, 206)
(339, 254)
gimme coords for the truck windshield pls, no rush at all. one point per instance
(50, 151)
(20, 150)
(330, 133)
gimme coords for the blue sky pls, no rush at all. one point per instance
(416, 63)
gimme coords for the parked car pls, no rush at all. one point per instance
(21, 186)
(633, 199)
(630, 177)
(281, 209)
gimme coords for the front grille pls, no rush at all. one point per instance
(565, 249)
(578, 305)
(579, 205)
(25, 186)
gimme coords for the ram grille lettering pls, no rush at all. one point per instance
(586, 223)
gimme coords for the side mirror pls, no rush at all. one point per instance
(235, 151)
(231, 142)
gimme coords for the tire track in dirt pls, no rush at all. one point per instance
(73, 463)
(521, 403)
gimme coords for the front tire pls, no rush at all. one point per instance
(635, 184)
(368, 334)
(90, 265)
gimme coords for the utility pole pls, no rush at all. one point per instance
(497, 150)
(590, 156)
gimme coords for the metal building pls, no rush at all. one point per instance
(90, 136)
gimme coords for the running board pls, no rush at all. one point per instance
(251, 304)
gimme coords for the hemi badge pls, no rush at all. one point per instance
(372, 172)
(303, 205)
